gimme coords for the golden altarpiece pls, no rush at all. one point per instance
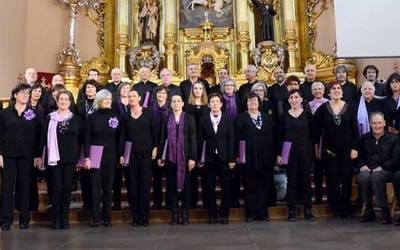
(210, 33)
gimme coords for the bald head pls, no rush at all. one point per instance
(116, 75)
(144, 73)
(311, 72)
(57, 79)
(251, 73)
(31, 76)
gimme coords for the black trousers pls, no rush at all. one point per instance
(139, 186)
(217, 168)
(120, 172)
(174, 195)
(194, 187)
(299, 180)
(396, 184)
(60, 186)
(339, 179)
(374, 183)
(256, 187)
(34, 196)
(235, 183)
(85, 188)
(102, 181)
(16, 171)
(158, 174)
(319, 169)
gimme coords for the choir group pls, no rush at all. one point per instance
(223, 134)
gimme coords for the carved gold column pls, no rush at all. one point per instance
(242, 34)
(291, 35)
(170, 35)
(122, 36)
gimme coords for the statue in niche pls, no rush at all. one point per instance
(267, 24)
(148, 22)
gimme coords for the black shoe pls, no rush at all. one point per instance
(145, 222)
(386, 217)
(249, 219)
(24, 226)
(318, 199)
(212, 221)
(107, 224)
(174, 219)
(5, 227)
(308, 215)
(292, 215)
(185, 217)
(224, 221)
(397, 222)
(134, 223)
(95, 224)
(368, 216)
(64, 222)
(116, 207)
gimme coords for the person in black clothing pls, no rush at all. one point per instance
(267, 14)
(310, 71)
(161, 110)
(291, 83)
(116, 75)
(367, 105)
(278, 93)
(251, 76)
(93, 74)
(379, 158)
(51, 102)
(178, 153)
(120, 106)
(223, 75)
(166, 81)
(295, 127)
(139, 128)
(350, 92)
(261, 90)
(145, 87)
(217, 138)
(101, 130)
(257, 132)
(186, 85)
(61, 139)
(371, 73)
(334, 118)
(19, 137)
(197, 107)
(391, 103)
(84, 109)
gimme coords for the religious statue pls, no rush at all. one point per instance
(148, 21)
(267, 12)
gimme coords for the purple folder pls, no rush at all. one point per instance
(127, 152)
(286, 148)
(203, 152)
(95, 156)
(146, 99)
(242, 151)
(164, 152)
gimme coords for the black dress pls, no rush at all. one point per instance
(142, 132)
(260, 150)
(350, 93)
(336, 152)
(197, 111)
(389, 105)
(298, 131)
(19, 144)
(101, 130)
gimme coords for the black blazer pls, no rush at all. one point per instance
(222, 141)
(190, 143)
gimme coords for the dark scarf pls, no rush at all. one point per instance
(176, 148)
(122, 108)
(230, 108)
(160, 112)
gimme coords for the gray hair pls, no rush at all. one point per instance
(251, 67)
(100, 96)
(365, 85)
(377, 113)
(224, 82)
(316, 85)
(260, 84)
(341, 67)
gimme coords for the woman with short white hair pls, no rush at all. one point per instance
(260, 89)
(101, 133)
(367, 104)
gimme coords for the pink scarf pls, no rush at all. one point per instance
(53, 153)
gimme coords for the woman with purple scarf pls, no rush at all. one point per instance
(178, 152)
(61, 139)
(138, 128)
(120, 106)
(318, 91)
(161, 110)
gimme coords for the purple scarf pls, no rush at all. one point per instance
(362, 118)
(314, 104)
(230, 108)
(53, 153)
(160, 112)
(176, 154)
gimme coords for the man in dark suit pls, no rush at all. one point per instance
(116, 76)
(217, 140)
(194, 76)
(145, 87)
